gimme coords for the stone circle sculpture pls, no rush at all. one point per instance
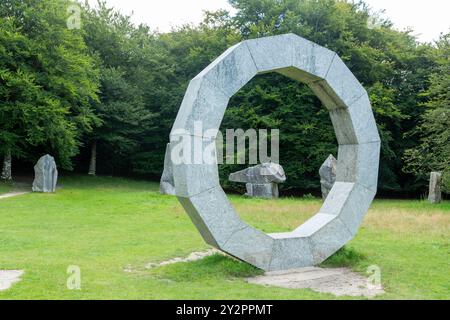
(327, 174)
(197, 185)
(45, 175)
(261, 181)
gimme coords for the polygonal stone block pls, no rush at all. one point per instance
(272, 53)
(359, 163)
(337, 198)
(232, 70)
(314, 224)
(290, 252)
(350, 202)
(192, 174)
(167, 185)
(355, 124)
(252, 246)
(316, 62)
(310, 62)
(260, 174)
(213, 215)
(340, 89)
(203, 105)
(327, 234)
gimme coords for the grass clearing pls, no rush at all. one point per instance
(108, 225)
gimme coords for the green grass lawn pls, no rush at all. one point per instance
(5, 187)
(108, 225)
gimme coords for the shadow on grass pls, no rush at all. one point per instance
(345, 257)
(107, 183)
(6, 187)
(215, 266)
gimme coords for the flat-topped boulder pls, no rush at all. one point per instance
(261, 180)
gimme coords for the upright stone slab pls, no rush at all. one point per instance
(328, 175)
(46, 175)
(261, 180)
(198, 188)
(435, 194)
(167, 185)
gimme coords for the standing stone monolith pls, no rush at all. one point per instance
(262, 180)
(167, 185)
(435, 194)
(328, 175)
(46, 175)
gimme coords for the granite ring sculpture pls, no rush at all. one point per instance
(197, 186)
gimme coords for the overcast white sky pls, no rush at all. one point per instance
(427, 17)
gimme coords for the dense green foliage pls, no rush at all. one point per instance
(120, 86)
(390, 64)
(48, 81)
(433, 151)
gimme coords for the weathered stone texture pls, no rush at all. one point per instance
(46, 175)
(167, 185)
(197, 185)
(435, 193)
(261, 180)
(327, 174)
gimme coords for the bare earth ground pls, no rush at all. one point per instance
(8, 278)
(339, 282)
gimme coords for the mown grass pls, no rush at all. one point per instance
(112, 228)
(5, 187)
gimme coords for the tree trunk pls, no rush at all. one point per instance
(93, 164)
(7, 163)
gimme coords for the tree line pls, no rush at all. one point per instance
(102, 98)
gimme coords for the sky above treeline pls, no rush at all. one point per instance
(428, 18)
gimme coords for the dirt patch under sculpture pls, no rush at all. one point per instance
(339, 282)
